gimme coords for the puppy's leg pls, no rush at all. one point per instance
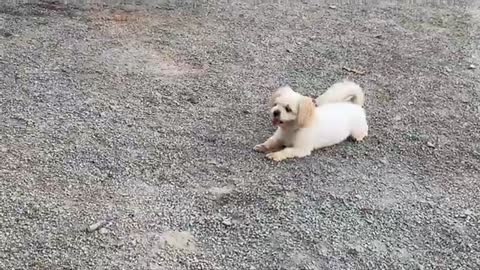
(272, 144)
(289, 152)
(360, 131)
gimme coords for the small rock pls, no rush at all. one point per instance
(430, 144)
(97, 226)
(410, 103)
(352, 251)
(355, 250)
(472, 66)
(378, 36)
(212, 162)
(358, 197)
(7, 34)
(379, 246)
(103, 231)
(227, 222)
(397, 118)
(447, 69)
(192, 100)
(465, 100)
(403, 254)
(245, 112)
(289, 50)
(332, 7)
(465, 214)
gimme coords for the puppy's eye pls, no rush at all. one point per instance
(287, 108)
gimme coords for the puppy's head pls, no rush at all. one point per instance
(289, 108)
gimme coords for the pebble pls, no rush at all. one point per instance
(465, 213)
(379, 246)
(332, 7)
(192, 100)
(7, 34)
(227, 222)
(212, 162)
(355, 250)
(472, 66)
(430, 144)
(97, 226)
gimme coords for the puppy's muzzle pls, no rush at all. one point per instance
(276, 118)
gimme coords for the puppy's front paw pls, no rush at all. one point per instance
(260, 148)
(276, 156)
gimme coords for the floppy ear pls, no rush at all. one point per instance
(280, 91)
(306, 110)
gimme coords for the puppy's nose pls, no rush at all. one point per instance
(276, 113)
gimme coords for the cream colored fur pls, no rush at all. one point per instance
(342, 91)
(302, 127)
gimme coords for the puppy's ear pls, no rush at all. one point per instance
(280, 91)
(306, 110)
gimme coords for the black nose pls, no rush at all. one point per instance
(276, 113)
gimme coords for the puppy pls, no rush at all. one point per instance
(304, 124)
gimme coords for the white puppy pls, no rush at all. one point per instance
(305, 124)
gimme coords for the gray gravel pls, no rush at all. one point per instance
(126, 137)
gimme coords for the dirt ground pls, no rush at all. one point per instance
(126, 136)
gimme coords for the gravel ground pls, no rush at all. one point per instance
(143, 121)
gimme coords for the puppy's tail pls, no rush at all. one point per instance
(341, 92)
